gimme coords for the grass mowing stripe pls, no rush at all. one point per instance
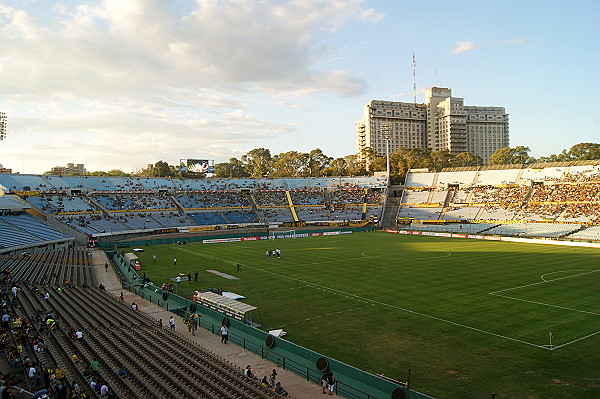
(418, 274)
(367, 300)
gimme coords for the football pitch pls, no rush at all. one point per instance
(468, 317)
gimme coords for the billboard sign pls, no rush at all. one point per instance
(197, 166)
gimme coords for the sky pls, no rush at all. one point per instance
(119, 84)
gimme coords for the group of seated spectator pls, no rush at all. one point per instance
(547, 211)
(590, 176)
(270, 198)
(341, 198)
(568, 193)
(574, 198)
(502, 195)
(590, 211)
(373, 196)
(307, 197)
(213, 199)
(61, 203)
(134, 202)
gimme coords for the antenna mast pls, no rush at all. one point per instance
(414, 65)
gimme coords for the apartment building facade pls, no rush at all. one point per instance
(443, 122)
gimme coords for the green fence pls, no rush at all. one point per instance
(351, 382)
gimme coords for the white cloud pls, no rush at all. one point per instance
(371, 15)
(510, 42)
(411, 94)
(293, 106)
(464, 46)
(163, 78)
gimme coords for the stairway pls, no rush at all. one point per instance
(388, 218)
(257, 212)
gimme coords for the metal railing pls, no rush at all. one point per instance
(310, 374)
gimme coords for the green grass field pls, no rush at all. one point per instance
(468, 317)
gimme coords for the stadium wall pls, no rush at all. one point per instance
(231, 236)
(546, 241)
(350, 381)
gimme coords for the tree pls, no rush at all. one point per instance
(290, 164)
(511, 156)
(466, 159)
(584, 152)
(521, 155)
(161, 169)
(438, 160)
(354, 166)
(231, 169)
(258, 162)
(116, 173)
(317, 162)
(372, 161)
(337, 167)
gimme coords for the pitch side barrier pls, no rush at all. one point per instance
(250, 236)
(351, 382)
(548, 241)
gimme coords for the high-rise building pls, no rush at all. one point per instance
(443, 122)
(70, 169)
(2, 125)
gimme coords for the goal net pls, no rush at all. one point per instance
(282, 234)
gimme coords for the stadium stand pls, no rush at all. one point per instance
(550, 230)
(558, 193)
(23, 183)
(456, 178)
(59, 203)
(416, 179)
(461, 213)
(207, 218)
(497, 177)
(312, 213)
(158, 362)
(307, 197)
(240, 216)
(33, 227)
(591, 233)
(212, 199)
(461, 228)
(419, 213)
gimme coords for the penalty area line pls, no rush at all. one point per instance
(545, 304)
(544, 281)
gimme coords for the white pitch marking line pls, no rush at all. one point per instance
(575, 340)
(546, 304)
(332, 290)
(386, 304)
(544, 282)
(561, 271)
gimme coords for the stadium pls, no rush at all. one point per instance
(469, 282)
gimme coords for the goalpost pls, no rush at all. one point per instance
(282, 234)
